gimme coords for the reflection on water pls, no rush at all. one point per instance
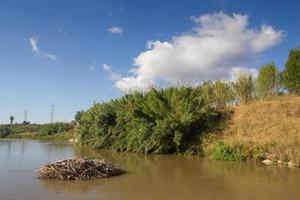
(149, 177)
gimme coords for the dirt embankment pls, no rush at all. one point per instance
(265, 129)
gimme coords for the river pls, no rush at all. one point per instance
(149, 177)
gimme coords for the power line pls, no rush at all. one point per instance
(25, 115)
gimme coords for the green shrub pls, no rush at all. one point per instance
(54, 128)
(5, 131)
(159, 121)
(227, 153)
(244, 88)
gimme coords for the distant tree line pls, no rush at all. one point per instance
(40, 129)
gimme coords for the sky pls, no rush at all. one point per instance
(71, 53)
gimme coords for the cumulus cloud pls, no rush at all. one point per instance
(34, 47)
(218, 46)
(115, 30)
(134, 83)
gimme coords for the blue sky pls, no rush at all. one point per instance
(85, 50)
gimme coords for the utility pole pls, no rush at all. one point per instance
(25, 115)
(52, 113)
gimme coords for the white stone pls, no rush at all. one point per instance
(267, 162)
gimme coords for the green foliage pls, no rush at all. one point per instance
(268, 81)
(5, 131)
(159, 121)
(227, 153)
(54, 128)
(23, 128)
(218, 93)
(291, 73)
(78, 115)
(61, 137)
(244, 88)
(51, 131)
(223, 93)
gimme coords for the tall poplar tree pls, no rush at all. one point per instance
(291, 73)
(268, 80)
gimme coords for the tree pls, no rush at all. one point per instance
(244, 88)
(268, 80)
(4, 131)
(222, 93)
(78, 115)
(11, 118)
(217, 93)
(291, 73)
(208, 91)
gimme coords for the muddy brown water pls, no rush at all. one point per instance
(151, 177)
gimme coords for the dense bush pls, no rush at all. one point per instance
(54, 128)
(244, 88)
(227, 153)
(22, 128)
(218, 93)
(159, 121)
(5, 131)
(45, 129)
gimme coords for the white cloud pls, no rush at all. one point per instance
(51, 56)
(34, 47)
(33, 42)
(112, 74)
(216, 45)
(237, 71)
(134, 83)
(115, 30)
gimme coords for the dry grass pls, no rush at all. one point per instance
(272, 125)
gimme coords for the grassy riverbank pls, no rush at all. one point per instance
(65, 136)
(52, 131)
(185, 121)
(264, 129)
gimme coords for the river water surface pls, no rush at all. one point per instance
(150, 177)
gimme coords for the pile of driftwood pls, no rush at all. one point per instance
(78, 169)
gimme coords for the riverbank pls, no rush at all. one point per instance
(60, 137)
(54, 131)
(263, 130)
